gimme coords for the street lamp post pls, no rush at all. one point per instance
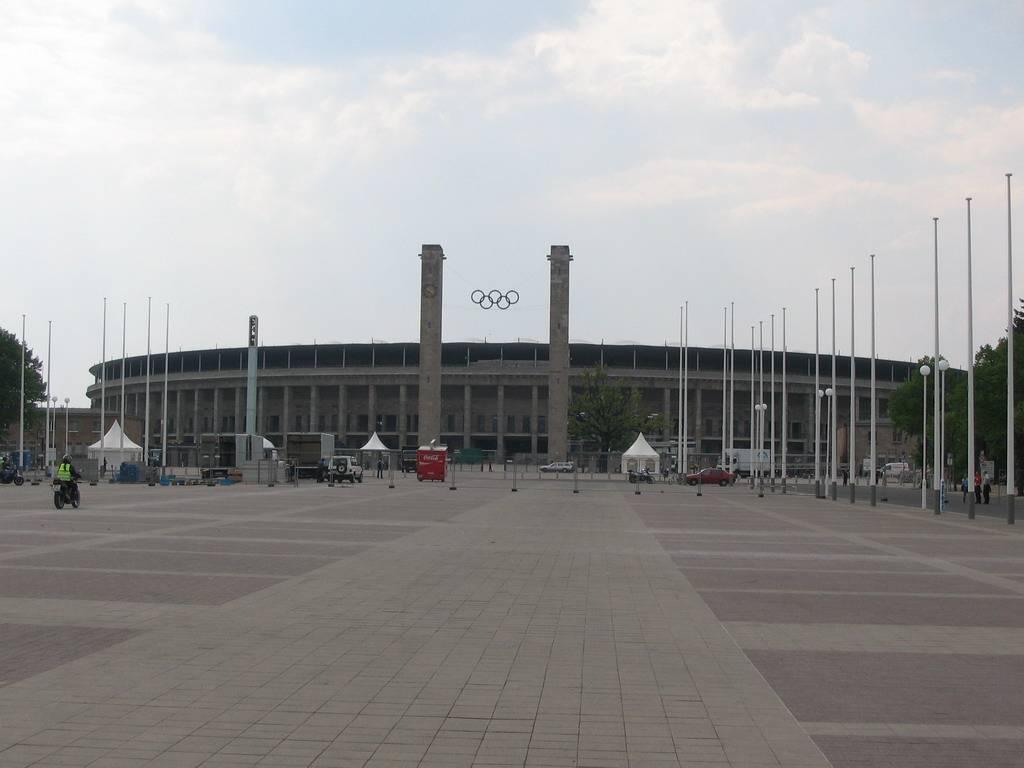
(820, 393)
(925, 370)
(829, 458)
(53, 430)
(760, 408)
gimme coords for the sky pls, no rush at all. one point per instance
(194, 162)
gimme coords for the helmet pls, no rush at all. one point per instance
(66, 459)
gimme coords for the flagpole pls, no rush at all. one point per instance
(124, 328)
(853, 397)
(49, 358)
(732, 383)
(725, 373)
(167, 350)
(817, 402)
(785, 411)
(771, 421)
(21, 412)
(874, 405)
(936, 447)
(970, 369)
(149, 320)
(679, 402)
(833, 407)
(1011, 469)
(686, 387)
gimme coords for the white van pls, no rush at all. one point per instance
(895, 470)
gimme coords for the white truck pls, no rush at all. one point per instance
(744, 462)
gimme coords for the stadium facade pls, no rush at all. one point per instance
(502, 398)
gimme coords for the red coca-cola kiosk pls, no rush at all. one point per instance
(431, 462)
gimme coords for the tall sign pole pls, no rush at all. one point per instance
(250, 386)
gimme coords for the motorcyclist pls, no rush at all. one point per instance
(67, 475)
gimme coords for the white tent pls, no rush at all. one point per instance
(113, 450)
(374, 444)
(640, 456)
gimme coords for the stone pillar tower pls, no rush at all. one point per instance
(431, 263)
(558, 355)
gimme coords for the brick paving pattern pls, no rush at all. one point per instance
(420, 626)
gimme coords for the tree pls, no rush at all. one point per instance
(609, 412)
(10, 383)
(907, 403)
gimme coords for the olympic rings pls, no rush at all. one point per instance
(494, 298)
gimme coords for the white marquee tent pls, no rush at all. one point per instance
(640, 456)
(114, 450)
(374, 444)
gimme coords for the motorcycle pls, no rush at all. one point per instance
(11, 475)
(643, 476)
(65, 493)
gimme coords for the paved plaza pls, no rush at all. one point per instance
(431, 625)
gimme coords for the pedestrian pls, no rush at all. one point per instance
(380, 468)
(977, 487)
(846, 477)
(963, 487)
(986, 486)
(103, 469)
(321, 467)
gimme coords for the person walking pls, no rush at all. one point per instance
(986, 486)
(963, 487)
(380, 467)
(977, 487)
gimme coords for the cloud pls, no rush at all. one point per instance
(625, 50)
(954, 76)
(742, 189)
(819, 64)
(947, 131)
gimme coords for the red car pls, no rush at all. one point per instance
(711, 476)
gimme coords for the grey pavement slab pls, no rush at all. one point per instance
(424, 626)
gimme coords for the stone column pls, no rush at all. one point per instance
(314, 401)
(216, 410)
(432, 262)
(403, 393)
(558, 355)
(534, 412)
(342, 413)
(666, 408)
(286, 397)
(467, 416)
(371, 408)
(240, 409)
(501, 422)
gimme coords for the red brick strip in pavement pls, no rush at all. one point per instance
(27, 649)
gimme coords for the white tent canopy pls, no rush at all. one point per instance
(116, 447)
(374, 444)
(640, 456)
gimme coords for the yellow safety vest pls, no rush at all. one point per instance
(64, 472)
